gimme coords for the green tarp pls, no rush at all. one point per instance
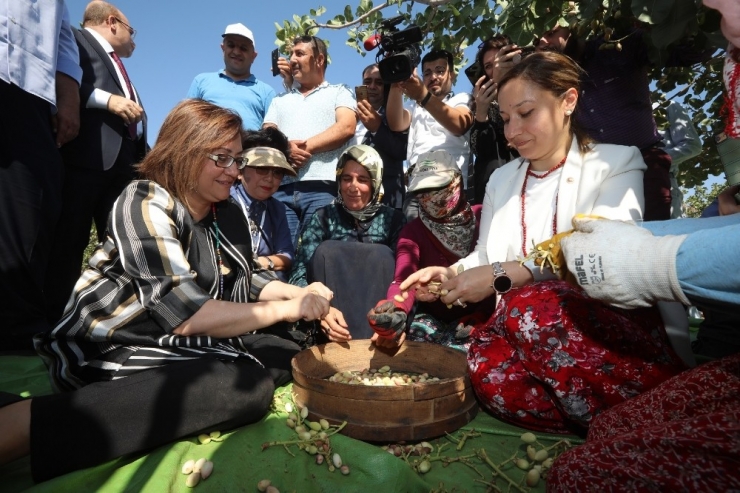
(240, 462)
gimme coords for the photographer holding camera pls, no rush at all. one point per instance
(439, 119)
(495, 57)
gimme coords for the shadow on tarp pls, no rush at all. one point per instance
(240, 462)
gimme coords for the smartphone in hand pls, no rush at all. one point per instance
(361, 93)
(275, 56)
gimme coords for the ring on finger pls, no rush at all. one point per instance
(459, 303)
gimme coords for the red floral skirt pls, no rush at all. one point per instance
(551, 359)
(683, 435)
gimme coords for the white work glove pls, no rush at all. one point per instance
(623, 264)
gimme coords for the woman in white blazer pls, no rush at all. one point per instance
(550, 358)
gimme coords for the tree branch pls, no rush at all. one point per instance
(431, 3)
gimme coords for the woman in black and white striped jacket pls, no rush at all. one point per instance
(161, 335)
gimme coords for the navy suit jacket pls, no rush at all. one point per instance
(98, 144)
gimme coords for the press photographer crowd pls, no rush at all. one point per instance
(533, 223)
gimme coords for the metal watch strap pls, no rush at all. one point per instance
(499, 272)
(270, 263)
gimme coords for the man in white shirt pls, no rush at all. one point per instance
(99, 163)
(319, 119)
(439, 119)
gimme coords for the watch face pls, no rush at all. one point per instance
(502, 284)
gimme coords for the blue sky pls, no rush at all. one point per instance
(175, 41)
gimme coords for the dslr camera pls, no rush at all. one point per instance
(400, 50)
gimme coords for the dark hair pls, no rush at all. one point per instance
(435, 55)
(267, 137)
(371, 66)
(495, 42)
(317, 45)
(555, 73)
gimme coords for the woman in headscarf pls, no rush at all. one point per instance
(350, 245)
(445, 231)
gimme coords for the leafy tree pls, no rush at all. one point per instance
(701, 197)
(671, 26)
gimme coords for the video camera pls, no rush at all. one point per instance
(400, 50)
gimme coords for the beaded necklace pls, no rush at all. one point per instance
(218, 255)
(523, 193)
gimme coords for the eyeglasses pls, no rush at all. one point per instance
(276, 172)
(438, 71)
(131, 30)
(225, 161)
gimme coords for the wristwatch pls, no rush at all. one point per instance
(501, 281)
(270, 264)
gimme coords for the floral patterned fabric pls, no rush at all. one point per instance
(449, 217)
(683, 435)
(551, 359)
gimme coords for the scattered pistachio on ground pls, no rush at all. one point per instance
(206, 470)
(199, 464)
(203, 438)
(533, 477)
(425, 466)
(272, 489)
(304, 412)
(193, 480)
(344, 469)
(288, 407)
(336, 459)
(262, 485)
(187, 468)
(528, 438)
(522, 464)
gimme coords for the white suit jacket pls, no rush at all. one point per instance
(606, 181)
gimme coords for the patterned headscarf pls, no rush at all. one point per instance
(369, 159)
(447, 214)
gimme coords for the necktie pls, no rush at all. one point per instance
(131, 126)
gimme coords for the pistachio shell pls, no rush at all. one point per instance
(541, 455)
(203, 438)
(528, 437)
(206, 470)
(199, 464)
(304, 412)
(262, 485)
(214, 434)
(336, 459)
(522, 464)
(424, 466)
(533, 477)
(187, 468)
(193, 480)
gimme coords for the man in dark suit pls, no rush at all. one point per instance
(99, 163)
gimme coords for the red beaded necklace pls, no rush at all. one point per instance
(523, 193)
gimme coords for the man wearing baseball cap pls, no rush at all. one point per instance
(235, 87)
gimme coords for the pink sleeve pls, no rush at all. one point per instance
(407, 262)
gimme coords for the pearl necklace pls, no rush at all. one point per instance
(523, 194)
(219, 259)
